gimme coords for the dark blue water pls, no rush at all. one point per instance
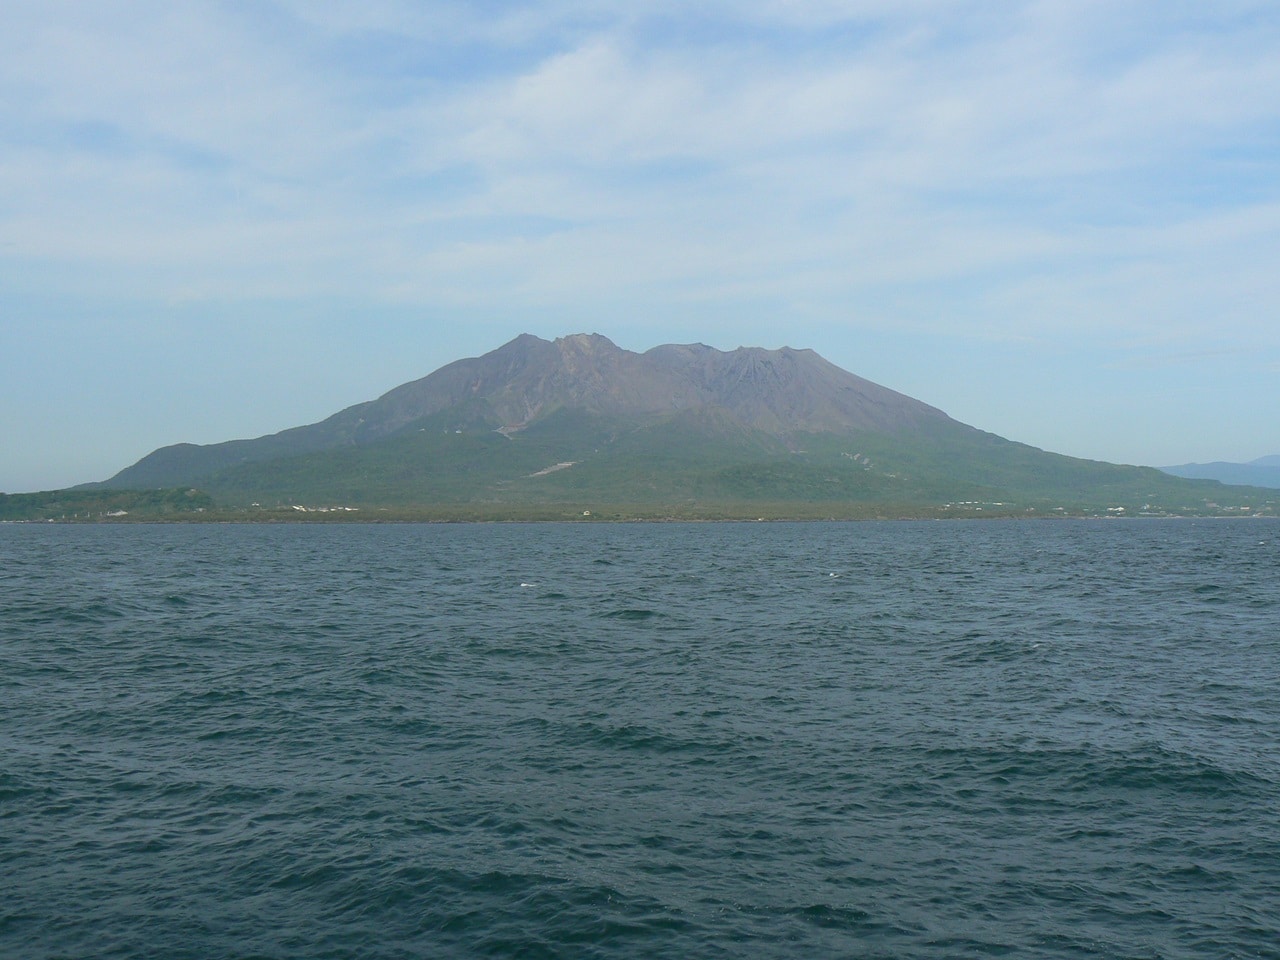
(975, 739)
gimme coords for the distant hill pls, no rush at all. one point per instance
(684, 429)
(1263, 472)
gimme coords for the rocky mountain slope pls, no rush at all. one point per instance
(778, 392)
(579, 420)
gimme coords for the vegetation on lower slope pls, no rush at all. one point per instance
(78, 504)
(698, 464)
(580, 427)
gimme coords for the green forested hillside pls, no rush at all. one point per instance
(579, 427)
(79, 504)
(694, 462)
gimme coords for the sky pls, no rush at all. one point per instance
(1056, 220)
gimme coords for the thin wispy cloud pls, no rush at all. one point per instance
(1019, 172)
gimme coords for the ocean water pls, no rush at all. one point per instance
(1047, 739)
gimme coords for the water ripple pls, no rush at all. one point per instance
(925, 740)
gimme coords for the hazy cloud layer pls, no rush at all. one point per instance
(1022, 180)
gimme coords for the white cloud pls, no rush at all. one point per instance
(1035, 171)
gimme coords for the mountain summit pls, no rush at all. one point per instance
(579, 419)
(779, 393)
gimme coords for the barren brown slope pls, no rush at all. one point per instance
(778, 392)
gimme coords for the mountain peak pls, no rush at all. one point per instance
(779, 393)
(586, 343)
(579, 420)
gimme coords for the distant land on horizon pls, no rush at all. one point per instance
(578, 427)
(1263, 472)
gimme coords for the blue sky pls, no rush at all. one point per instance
(1058, 221)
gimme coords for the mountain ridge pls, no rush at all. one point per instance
(1262, 472)
(778, 391)
(682, 429)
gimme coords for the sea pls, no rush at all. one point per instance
(946, 739)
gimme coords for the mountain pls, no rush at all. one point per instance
(528, 380)
(679, 429)
(1263, 472)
